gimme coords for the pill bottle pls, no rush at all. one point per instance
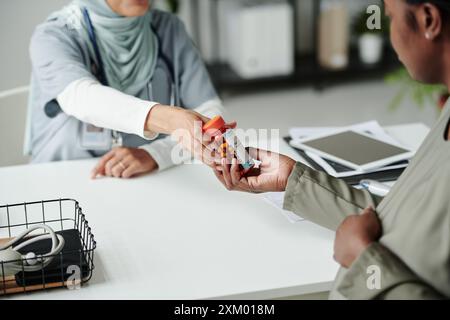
(231, 144)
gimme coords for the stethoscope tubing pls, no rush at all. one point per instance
(52, 109)
(39, 261)
(93, 38)
(104, 81)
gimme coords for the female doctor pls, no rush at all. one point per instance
(107, 75)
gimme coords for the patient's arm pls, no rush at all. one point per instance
(323, 199)
(397, 281)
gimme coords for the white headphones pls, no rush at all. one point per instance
(14, 262)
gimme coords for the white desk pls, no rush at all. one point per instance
(180, 235)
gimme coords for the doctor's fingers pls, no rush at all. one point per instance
(109, 160)
(218, 148)
(212, 145)
(209, 137)
(113, 165)
(200, 152)
(132, 170)
(211, 158)
(214, 159)
(122, 165)
(231, 125)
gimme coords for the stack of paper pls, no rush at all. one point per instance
(338, 170)
(276, 199)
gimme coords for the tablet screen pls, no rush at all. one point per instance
(355, 148)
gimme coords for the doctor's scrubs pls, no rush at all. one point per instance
(59, 57)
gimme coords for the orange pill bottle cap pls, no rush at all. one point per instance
(216, 123)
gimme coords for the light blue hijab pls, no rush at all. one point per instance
(128, 45)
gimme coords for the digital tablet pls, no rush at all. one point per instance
(356, 150)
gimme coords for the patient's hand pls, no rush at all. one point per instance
(354, 235)
(124, 163)
(271, 175)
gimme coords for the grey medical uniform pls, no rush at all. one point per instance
(59, 57)
(414, 250)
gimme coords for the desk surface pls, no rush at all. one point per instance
(179, 235)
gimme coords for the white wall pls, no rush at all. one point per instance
(18, 19)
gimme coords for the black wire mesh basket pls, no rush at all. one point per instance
(71, 267)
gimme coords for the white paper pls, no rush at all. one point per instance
(371, 127)
(276, 199)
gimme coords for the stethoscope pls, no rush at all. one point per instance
(101, 71)
(13, 262)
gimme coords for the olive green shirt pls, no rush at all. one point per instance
(413, 254)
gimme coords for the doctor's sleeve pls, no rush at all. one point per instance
(380, 275)
(57, 60)
(60, 67)
(323, 199)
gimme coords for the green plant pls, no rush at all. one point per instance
(421, 94)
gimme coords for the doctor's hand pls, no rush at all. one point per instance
(271, 175)
(124, 163)
(354, 235)
(186, 126)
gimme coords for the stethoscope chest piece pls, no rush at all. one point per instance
(8, 257)
(13, 262)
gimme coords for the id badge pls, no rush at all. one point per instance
(91, 137)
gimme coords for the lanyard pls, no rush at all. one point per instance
(116, 137)
(101, 75)
(172, 93)
(101, 71)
